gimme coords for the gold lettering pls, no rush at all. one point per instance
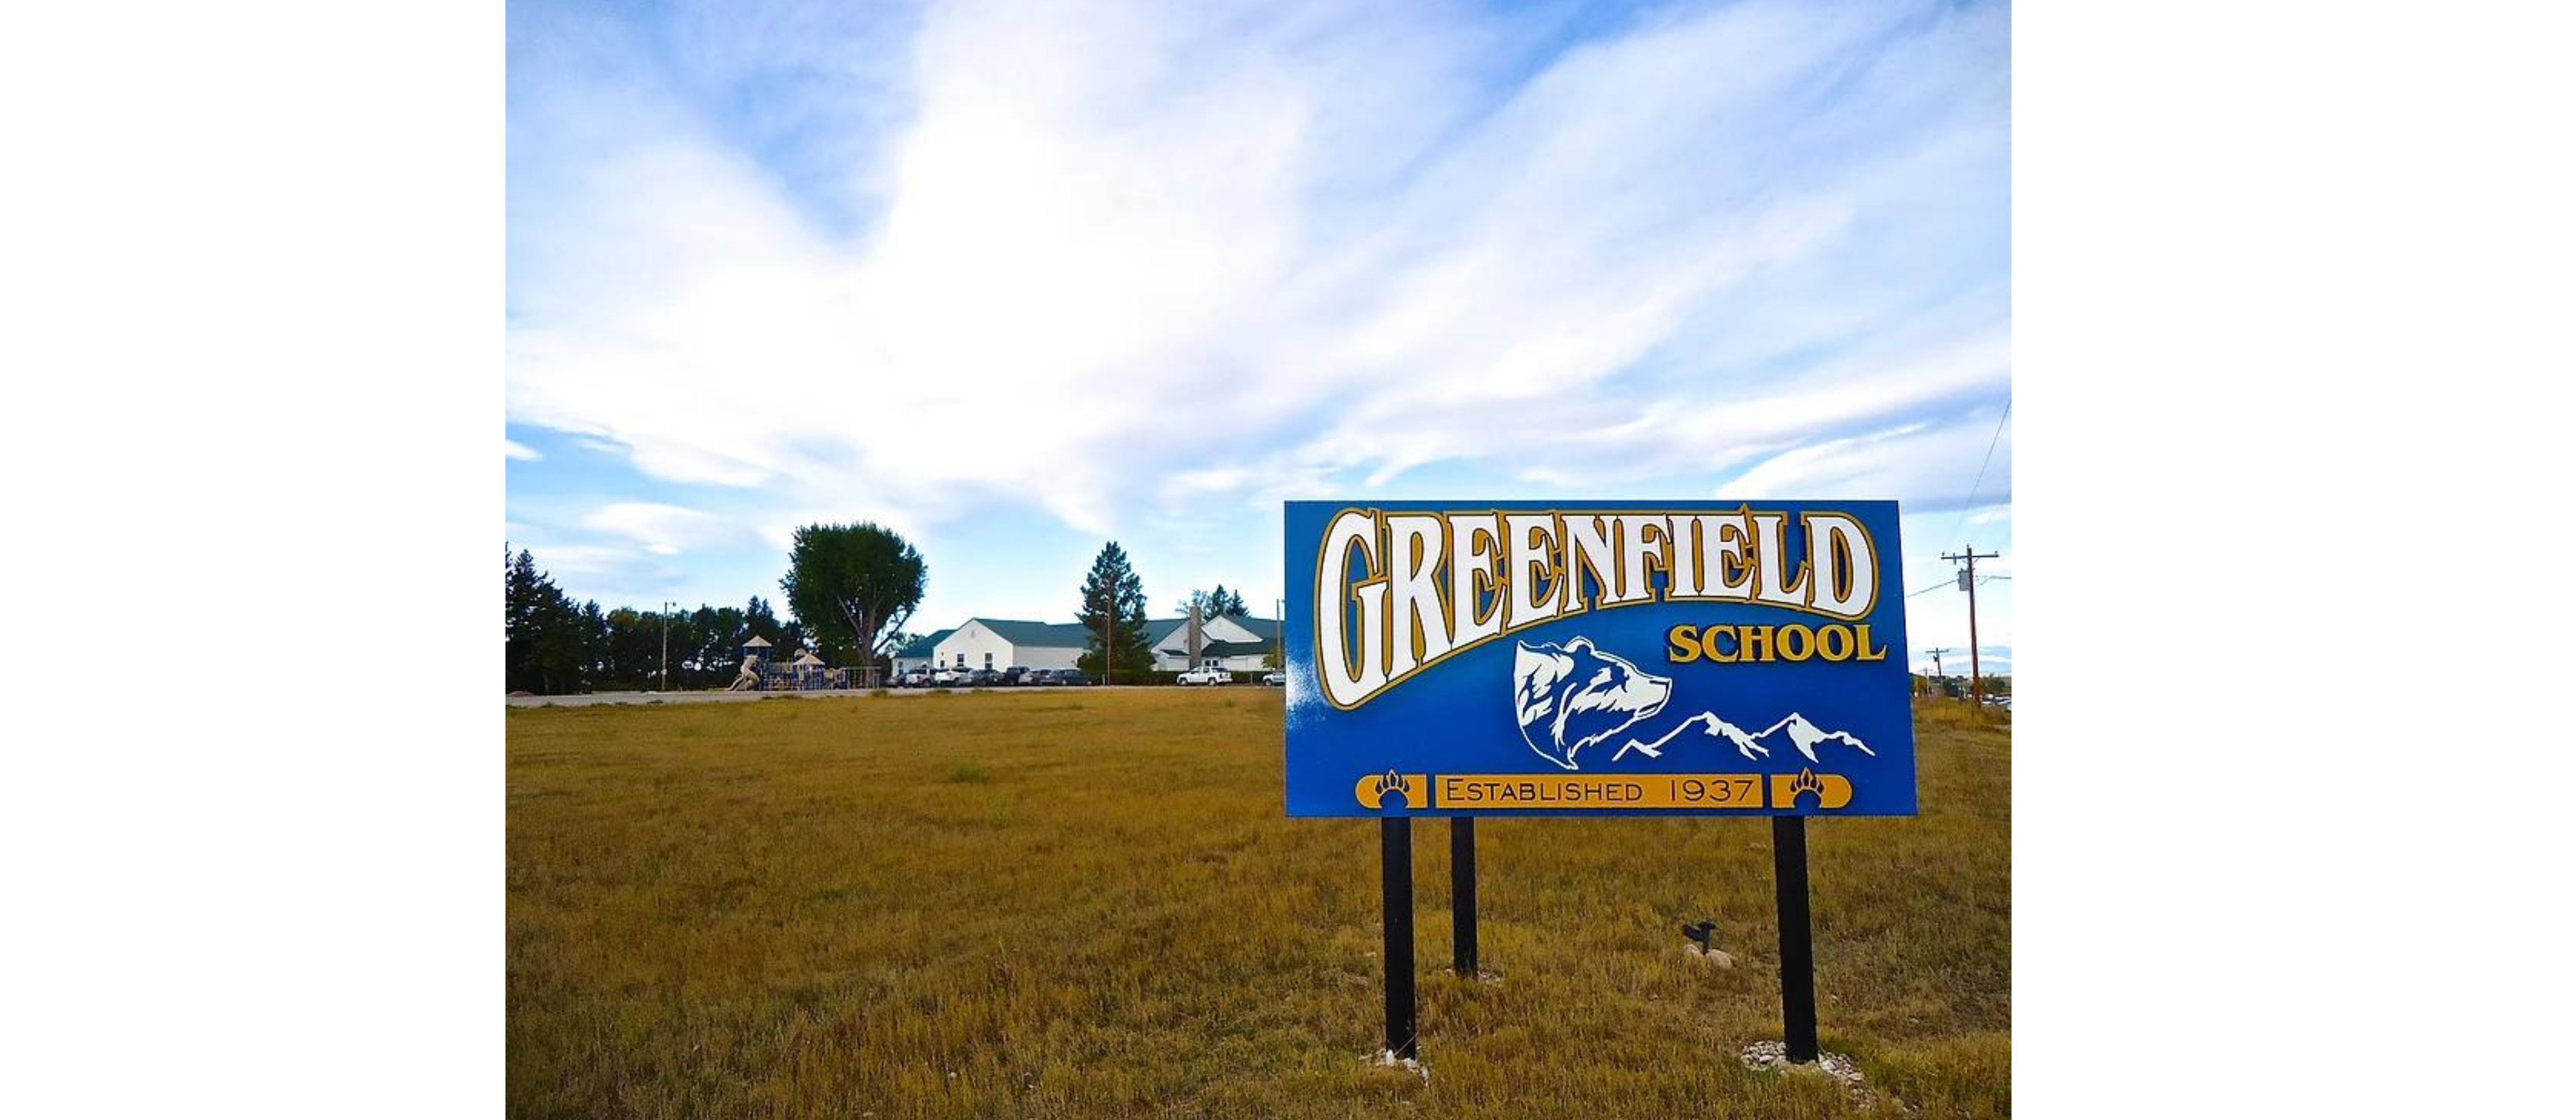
(1684, 640)
(1797, 643)
(1708, 644)
(1754, 643)
(1866, 653)
(1834, 642)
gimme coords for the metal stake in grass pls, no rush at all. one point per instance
(1702, 932)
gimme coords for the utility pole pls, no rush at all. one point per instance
(666, 645)
(1279, 636)
(1968, 583)
(1937, 671)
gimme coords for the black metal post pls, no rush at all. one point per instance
(1797, 937)
(1462, 896)
(1395, 852)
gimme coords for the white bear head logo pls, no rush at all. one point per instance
(1569, 698)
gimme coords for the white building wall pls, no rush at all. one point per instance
(973, 640)
(967, 649)
(1047, 657)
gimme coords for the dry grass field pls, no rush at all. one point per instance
(1088, 903)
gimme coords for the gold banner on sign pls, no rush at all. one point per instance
(1506, 792)
(1604, 791)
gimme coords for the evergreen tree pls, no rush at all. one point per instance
(1219, 603)
(524, 590)
(758, 621)
(547, 640)
(1113, 598)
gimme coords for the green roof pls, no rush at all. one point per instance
(1266, 629)
(921, 647)
(1233, 649)
(1052, 635)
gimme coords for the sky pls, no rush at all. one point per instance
(1017, 279)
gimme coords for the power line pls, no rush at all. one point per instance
(1982, 464)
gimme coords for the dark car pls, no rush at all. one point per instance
(983, 678)
(1038, 677)
(1021, 674)
(1069, 676)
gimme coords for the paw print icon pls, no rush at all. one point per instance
(1402, 790)
(1822, 791)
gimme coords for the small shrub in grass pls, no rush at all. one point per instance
(979, 690)
(879, 692)
(942, 691)
(970, 773)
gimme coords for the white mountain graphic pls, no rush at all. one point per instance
(1793, 730)
(1569, 698)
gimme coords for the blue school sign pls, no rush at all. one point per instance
(1450, 658)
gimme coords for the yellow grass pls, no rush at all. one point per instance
(1089, 903)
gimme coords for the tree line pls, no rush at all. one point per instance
(851, 590)
(555, 645)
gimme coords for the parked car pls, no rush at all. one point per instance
(913, 678)
(1275, 678)
(1020, 674)
(1204, 674)
(1070, 677)
(983, 678)
(948, 678)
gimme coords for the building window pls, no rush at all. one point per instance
(988, 659)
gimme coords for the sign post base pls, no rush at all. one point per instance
(1462, 896)
(1797, 937)
(1395, 854)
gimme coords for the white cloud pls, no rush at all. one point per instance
(1917, 464)
(579, 560)
(662, 530)
(520, 451)
(1174, 252)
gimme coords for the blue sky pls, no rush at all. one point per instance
(1016, 279)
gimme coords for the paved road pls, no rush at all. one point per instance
(589, 698)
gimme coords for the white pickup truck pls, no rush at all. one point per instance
(1204, 674)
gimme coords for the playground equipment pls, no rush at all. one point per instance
(755, 657)
(762, 673)
(805, 672)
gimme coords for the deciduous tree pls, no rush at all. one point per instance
(852, 586)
